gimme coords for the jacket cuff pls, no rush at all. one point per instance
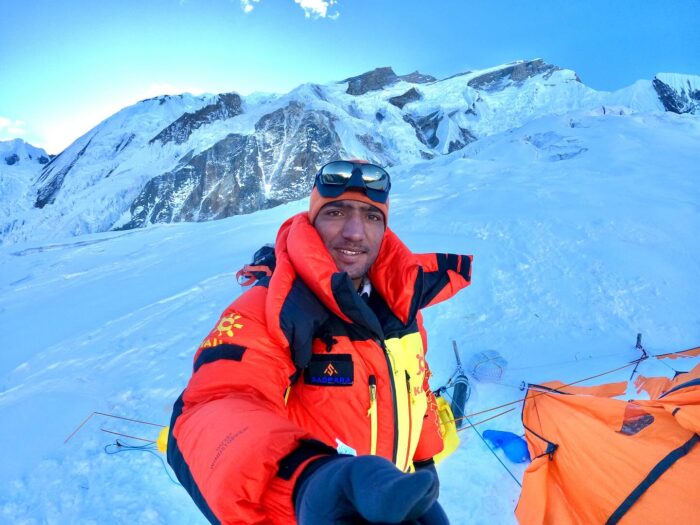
(278, 500)
(307, 448)
(424, 463)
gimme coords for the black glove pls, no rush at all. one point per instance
(344, 490)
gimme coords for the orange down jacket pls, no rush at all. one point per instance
(300, 366)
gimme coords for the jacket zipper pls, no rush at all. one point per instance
(392, 372)
(372, 413)
(410, 419)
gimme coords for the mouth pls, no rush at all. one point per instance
(346, 255)
(348, 252)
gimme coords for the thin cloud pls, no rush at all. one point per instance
(10, 128)
(317, 8)
(312, 8)
(248, 5)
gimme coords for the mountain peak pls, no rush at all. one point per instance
(380, 78)
(513, 72)
(418, 78)
(17, 151)
(373, 80)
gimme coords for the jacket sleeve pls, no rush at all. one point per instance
(444, 274)
(231, 443)
(430, 440)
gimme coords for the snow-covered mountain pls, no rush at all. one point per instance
(19, 153)
(20, 166)
(583, 228)
(678, 93)
(196, 158)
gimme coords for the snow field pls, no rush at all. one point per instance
(584, 233)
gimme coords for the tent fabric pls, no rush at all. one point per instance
(606, 390)
(691, 352)
(602, 460)
(655, 386)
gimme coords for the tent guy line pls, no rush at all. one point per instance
(695, 351)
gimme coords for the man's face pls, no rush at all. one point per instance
(352, 232)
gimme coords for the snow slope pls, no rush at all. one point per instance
(584, 231)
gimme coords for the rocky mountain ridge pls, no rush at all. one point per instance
(188, 158)
(678, 93)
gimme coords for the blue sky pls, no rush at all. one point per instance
(66, 65)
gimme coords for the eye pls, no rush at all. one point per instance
(375, 217)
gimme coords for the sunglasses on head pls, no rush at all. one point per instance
(336, 177)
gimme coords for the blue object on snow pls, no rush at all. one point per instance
(514, 447)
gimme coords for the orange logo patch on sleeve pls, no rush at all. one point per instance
(228, 324)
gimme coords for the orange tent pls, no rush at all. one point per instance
(655, 386)
(602, 460)
(690, 352)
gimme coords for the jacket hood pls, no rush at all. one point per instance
(406, 281)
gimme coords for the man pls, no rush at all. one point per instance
(309, 402)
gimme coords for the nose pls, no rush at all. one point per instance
(353, 228)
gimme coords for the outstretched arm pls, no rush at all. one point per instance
(231, 444)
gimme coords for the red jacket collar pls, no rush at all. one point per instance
(299, 249)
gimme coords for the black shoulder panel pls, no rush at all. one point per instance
(416, 303)
(300, 318)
